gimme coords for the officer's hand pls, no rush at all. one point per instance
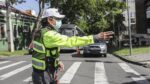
(61, 66)
(105, 35)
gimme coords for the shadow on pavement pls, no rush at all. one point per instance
(130, 75)
(100, 61)
(89, 56)
(67, 51)
(138, 82)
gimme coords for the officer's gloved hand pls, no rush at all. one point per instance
(104, 35)
(60, 66)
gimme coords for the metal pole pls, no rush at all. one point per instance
(129, 29)
(114, 29)
(9, 27)
(115, 39)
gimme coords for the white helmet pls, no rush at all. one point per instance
(52, 12)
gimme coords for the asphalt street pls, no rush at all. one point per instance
(78, 70)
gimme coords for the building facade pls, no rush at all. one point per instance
(131, 19)
(147, 10)
(21, 23)
(140, 14)
(143, 16)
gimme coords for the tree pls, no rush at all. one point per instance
(95, 15)
(116, 19)
(41, 10)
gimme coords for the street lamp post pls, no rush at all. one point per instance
(129, 29)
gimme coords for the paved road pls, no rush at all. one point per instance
(78, 70)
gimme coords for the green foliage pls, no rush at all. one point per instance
(83, 24)
(16, 53)
(96, 15)
(135, 51)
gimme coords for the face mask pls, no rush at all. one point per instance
(58, 24)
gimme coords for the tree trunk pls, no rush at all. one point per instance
(9, 27)
(37, 24)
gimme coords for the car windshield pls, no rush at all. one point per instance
(68, 31)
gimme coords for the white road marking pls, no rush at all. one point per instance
(100, 76)
(28, 79)
(138, 79)
(2, 77)
(67, 77)
(5, 67)
(3, 62)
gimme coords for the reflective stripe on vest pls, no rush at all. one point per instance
(38, 64)
(39, 47)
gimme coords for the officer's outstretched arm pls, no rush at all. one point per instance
(54, 39)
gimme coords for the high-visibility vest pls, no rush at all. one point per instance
(41, 53)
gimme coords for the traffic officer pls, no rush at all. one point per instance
(47, 43)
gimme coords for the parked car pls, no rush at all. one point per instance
(99, 48)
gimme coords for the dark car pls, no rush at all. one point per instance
(98, 48)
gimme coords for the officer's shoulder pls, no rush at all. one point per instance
(51, 32)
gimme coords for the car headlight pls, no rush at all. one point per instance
(103, 46)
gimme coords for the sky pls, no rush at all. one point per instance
(28, 5)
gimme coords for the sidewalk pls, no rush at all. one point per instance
(140, 59)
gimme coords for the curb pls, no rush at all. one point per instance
(131, 61)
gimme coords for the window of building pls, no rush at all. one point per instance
(131, 1)
(148, 30)
(133, 20)
(133, 26)
(148, 12)
(2, 31)
(132, 14)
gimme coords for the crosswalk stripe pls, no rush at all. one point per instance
(67, 77)
(5, 67)
(2, 77)
(139, 79)
(28, 79)
(100, 76)
(4, 62)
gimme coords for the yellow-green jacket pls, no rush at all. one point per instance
(47, 44)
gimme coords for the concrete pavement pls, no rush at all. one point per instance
(78, 70)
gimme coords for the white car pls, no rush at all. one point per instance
(98, 48)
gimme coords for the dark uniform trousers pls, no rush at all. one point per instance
(44, 77)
